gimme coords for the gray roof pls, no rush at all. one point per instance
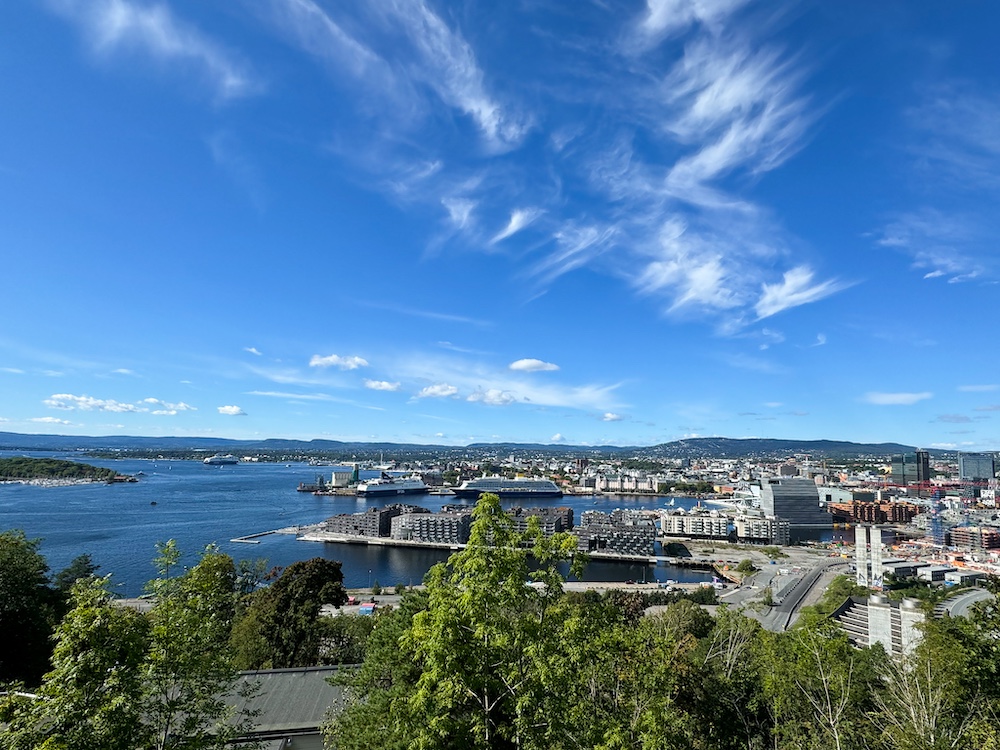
(291, 700)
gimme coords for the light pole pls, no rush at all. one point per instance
(369, 578)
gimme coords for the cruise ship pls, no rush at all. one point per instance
(508, 489)
(219, 460)
(387, 485)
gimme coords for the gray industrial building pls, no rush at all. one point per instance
(794, 499)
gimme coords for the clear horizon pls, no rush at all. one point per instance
(445, 223)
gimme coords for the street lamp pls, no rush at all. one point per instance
(369, 578)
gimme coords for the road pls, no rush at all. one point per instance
(961, 603)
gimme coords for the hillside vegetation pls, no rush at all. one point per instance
(23, 467)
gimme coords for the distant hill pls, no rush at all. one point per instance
(707, 447)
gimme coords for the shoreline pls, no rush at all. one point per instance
(52, 482)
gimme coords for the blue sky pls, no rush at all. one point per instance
(588, 222)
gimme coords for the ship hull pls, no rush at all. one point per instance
(392, 492)
(508, 494)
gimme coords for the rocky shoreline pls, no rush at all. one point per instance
(47, 482)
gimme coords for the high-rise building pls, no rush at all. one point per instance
(794, 499)
(911, 469)
(976, 466)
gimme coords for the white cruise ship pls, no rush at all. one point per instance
(387, 485)
(508, 489)
(219, 460)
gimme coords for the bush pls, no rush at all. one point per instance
(376, 588)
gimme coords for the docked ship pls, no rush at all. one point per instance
(508, 489)
(385, 485)
(219, 460)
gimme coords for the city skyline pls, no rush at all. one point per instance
(444, 223)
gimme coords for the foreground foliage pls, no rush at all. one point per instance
(123, 679)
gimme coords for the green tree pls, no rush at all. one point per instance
(121, 679)
(82, 566)
(280, 627)
(94, 695)
(29, 610)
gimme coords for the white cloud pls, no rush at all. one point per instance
(459, 211)
(168, 407)
(12, 370)
(252, 350)
(439, 390)
(519, 219)
(532, 365)
(896, 399)
(381, 385)
(820, 339)
(557, 438)
(335, 360)
(796, 288)
(773, 404)
(49, 420)
(70, 402)
(233, 411)
(611, 417)
(979, 388)
(665, 18)
(493, 397)
(120, 26)
(123, 371)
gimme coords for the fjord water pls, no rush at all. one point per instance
(120, 524)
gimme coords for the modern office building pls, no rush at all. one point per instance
(976, 466)
(911, 468)
(794, 499)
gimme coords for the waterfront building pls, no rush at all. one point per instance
(794, 499)
(762, 530)
(696, 525)
(976, 466)
(375, 522)
(440, 528)
(551, 520)
(617, 538)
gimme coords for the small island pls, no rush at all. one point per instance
(55, 471)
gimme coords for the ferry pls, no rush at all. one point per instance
(219, 460)
(387, 485)
(508, 489)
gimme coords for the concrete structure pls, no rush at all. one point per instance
(878, 620)
(963, 577)
(868, 556)
(794, 499)
(905, 569)
(976, 466)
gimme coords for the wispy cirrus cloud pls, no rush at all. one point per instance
(519, 219)
(117, 27)
(952, 245)
(796, 288)
(880, 398)
(982, 388)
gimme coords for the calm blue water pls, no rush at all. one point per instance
(199, 505)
